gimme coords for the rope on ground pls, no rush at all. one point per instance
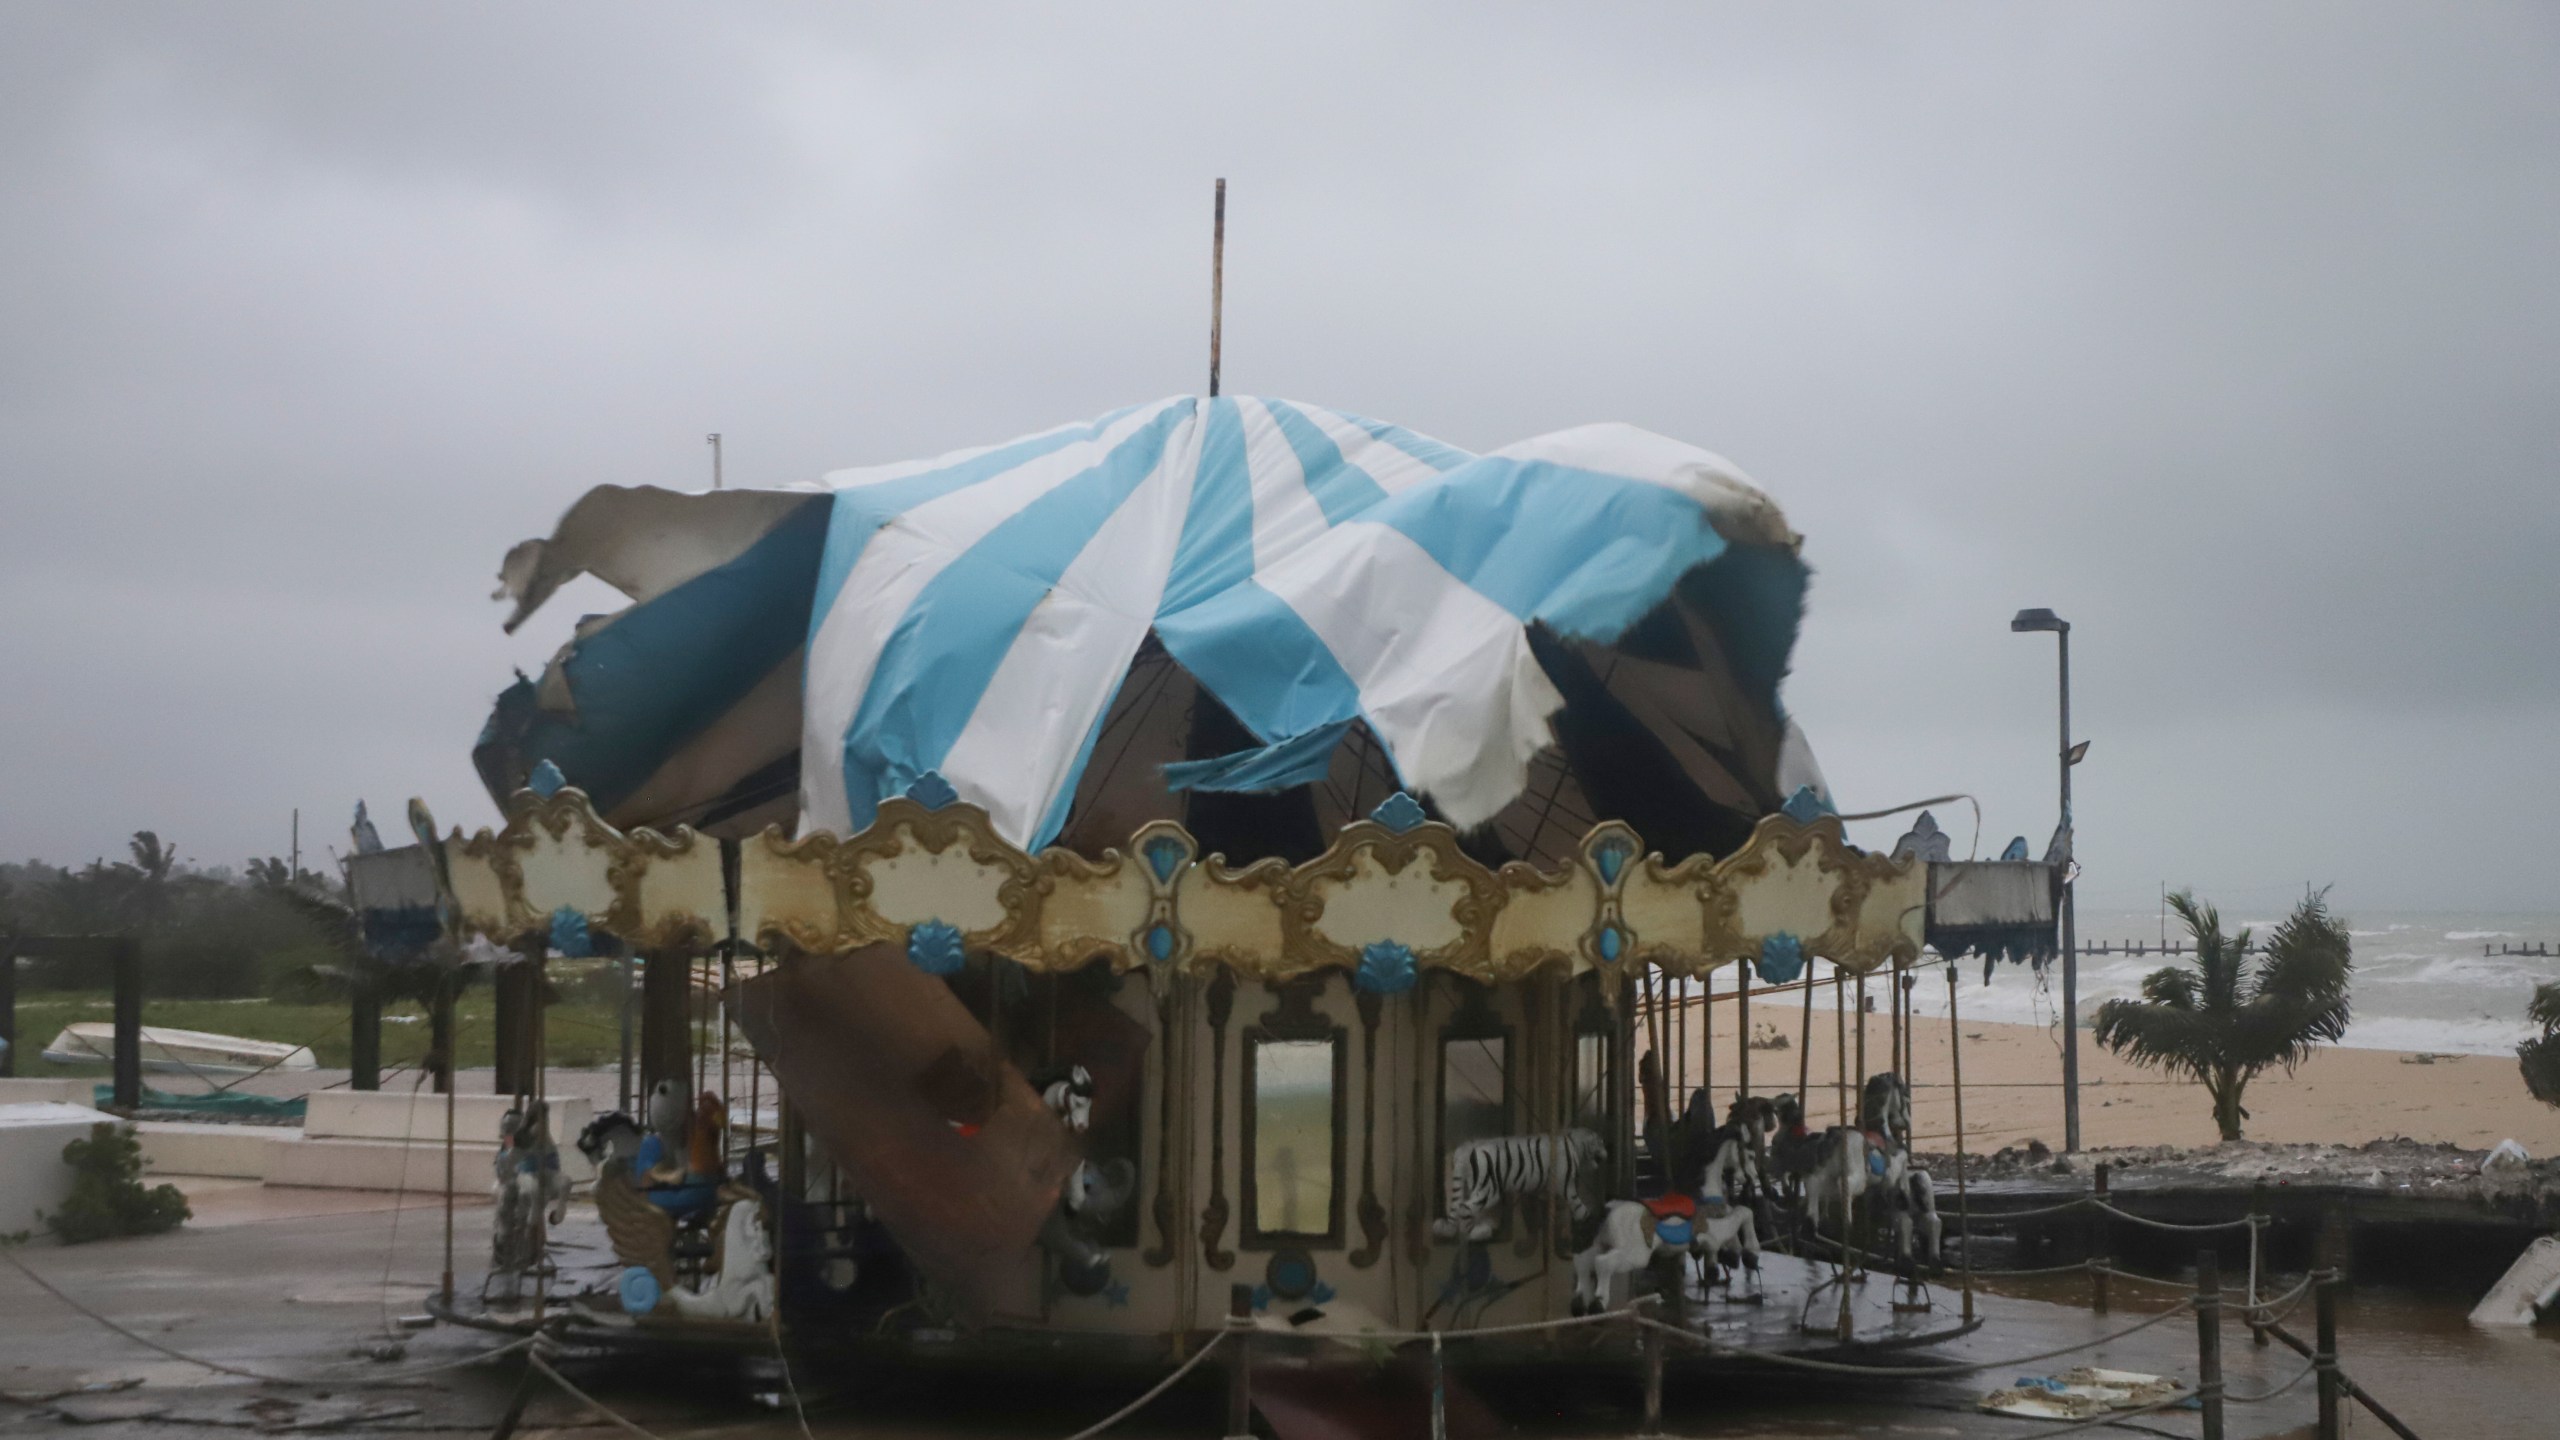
(543, 1368)
(2067, 1205)
(325, 1383)
(2266, 1395)
(1161, 1386)
(1915, 1371)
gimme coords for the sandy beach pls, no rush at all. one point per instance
(2012, 1088)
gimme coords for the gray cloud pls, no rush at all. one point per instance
(2230, 333)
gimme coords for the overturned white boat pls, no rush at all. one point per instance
(179, 1052)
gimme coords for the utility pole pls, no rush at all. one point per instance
(293, 867)
(715, 459)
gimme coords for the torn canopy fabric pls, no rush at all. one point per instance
(1561, 624)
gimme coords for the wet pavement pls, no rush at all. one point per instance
(298, 1284)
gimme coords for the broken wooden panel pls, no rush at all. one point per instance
(910, 1095)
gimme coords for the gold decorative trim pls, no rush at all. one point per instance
(1160, 905)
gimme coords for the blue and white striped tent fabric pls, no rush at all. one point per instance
(974, 614)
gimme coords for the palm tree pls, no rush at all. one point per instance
(2540, 1059)
(2229, 1016)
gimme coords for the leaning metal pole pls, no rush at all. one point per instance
(1955, 1084)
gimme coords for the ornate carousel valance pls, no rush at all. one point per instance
(1392, 895)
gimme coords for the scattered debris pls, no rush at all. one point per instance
(1765, 1036)
(2397, 1164)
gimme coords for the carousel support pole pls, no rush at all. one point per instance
(1707, 1037)
(728, 987)
(698, 1019)
(1848, 1256)
(1840, 1043)
(1804, 1039)
(1859, 1075)
(1955, 1078)
(622, 966)
(1742, 1018)
(1240, 1363)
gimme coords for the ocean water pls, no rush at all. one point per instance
(2421, 981)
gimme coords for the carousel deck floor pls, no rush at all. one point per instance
(1799, 1315)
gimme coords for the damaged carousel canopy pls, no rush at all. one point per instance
(1257, 616)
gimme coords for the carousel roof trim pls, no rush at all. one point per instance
(1382, 903)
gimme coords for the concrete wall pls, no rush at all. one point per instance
(33, 1174)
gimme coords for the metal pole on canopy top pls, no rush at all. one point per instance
(1217, 282)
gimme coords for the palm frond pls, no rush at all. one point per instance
(2161, 1037)
(2545, 1007)
(2175, 986)
(2540, 1062)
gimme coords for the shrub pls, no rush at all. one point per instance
(107, 1195)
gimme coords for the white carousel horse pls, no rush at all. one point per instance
(1631, 1235)
(742, 1287)
(1832, 1167)
(1884, 1115)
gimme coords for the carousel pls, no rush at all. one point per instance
(1231, 864)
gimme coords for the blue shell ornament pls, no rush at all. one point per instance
(1781, 958)
(936, 949)
(1386, 968)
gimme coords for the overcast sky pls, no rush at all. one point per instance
(2230, 332)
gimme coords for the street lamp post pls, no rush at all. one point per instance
(2027, 621)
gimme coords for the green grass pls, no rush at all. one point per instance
(581, 1032)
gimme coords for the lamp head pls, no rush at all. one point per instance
(2039, 619)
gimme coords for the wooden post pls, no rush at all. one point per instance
(364, 1029)
(1653, 1349)
(2257, 1240)
(666, 1040)
(2098, 1256)
(8, 1005)
(439, 1060)
(2325, 1359)
(2209, 1341)
(1240, 1363)
(1439, 1392)
(518, 996)
(125, 955)
(442, 1043)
